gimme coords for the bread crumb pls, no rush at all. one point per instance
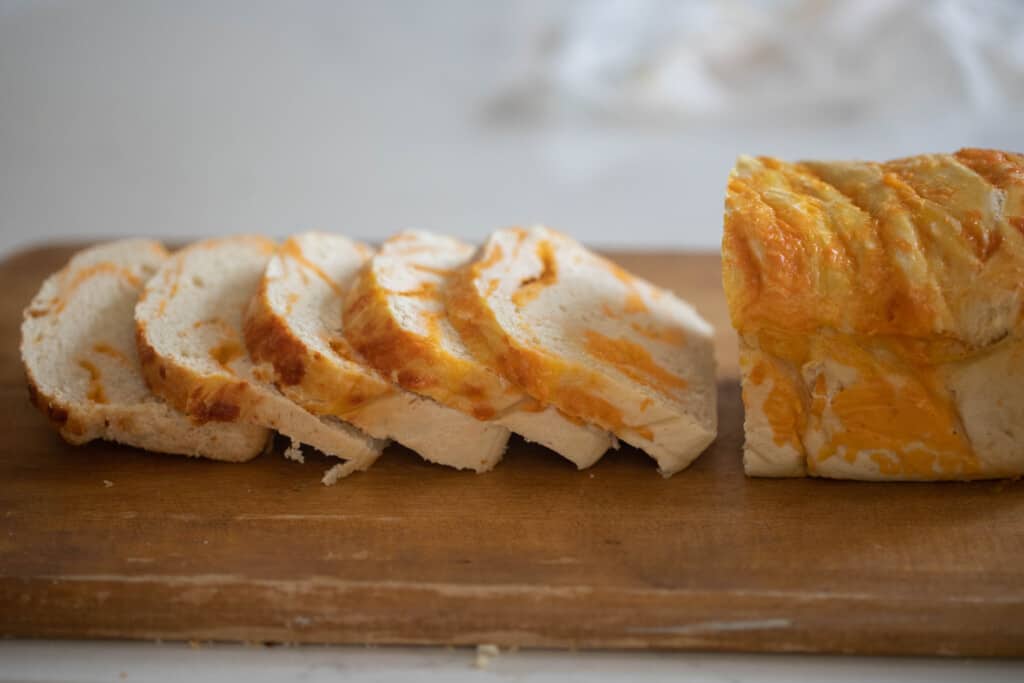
(294, 452)
(194, 644)
(485, 652)
(339, 471)
(107, 483)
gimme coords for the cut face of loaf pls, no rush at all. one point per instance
(294, 328)
(396, 319)
(78, 347)
(880, 308)
(189, 326)
(577, 332)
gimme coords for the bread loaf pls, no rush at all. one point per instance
(880, 308)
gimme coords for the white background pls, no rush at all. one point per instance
(188, 119)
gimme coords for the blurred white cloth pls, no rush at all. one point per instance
(802, 59)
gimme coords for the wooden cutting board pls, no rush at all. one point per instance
(532, 554)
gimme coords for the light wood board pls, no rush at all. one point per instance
(531, 554)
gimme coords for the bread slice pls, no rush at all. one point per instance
(78, 348)
(189, 328)
(395, 318)
(577, 332)
(294, 329)
(880, 310)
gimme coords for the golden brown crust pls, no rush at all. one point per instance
(471, 318)
(59, 414)
(203, 398)
(1004, 170)
(908, 247)
(270, 340)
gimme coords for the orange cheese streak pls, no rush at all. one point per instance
(440, 272)
(666, 334)
(531, 289)
(81, 276)
(426, 290)
(432, 319)
(341, 347)
(634, 302)
(95, 392)
(293, 250)
(783, 407)
(494, 257)
(226, 329)
(226, 352)
(289, 304)
(896, 404)
(108, 350)
(915, 420)
(632, 360)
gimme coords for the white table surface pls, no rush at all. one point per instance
(183, 120)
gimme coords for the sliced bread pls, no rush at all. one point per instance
(578, 332)
(295, 331)
(395, 318)
(78, 348)
(189, 330)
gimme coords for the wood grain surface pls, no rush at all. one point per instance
(531, 554)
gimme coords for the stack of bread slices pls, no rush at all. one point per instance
(427, 341)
